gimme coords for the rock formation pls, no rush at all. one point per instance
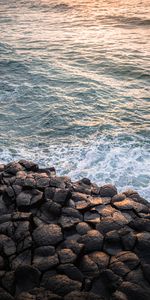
(65, 240)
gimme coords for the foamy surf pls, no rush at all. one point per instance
(126, 165)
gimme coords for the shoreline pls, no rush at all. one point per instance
(70, 240)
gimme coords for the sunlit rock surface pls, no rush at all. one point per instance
(65, 240)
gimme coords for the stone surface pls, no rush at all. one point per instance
(46, 235)
(64, 240)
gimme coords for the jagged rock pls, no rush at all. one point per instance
(108, 190)
(63, 240)
(29, 165)
(13, 168)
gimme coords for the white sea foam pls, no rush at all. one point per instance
(126, 165)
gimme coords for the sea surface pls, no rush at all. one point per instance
(75, 86)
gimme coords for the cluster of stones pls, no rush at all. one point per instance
(65, 240)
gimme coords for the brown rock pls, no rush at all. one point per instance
(47, 235)
(62, 285)
(108, 190)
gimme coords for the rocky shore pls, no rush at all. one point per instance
(70, 240)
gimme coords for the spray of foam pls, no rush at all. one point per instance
(126, 165)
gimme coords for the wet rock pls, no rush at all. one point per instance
(86, 181)
(13, 168)
(108, 190)
(47, 235)
(81, 187)
(118, 197)
(29, 165)
(64, 240)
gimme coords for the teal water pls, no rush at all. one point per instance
(74, 88)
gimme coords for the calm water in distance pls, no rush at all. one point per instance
(74, 88)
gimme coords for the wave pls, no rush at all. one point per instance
(123, 163)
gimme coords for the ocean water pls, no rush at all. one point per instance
(74, 88)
